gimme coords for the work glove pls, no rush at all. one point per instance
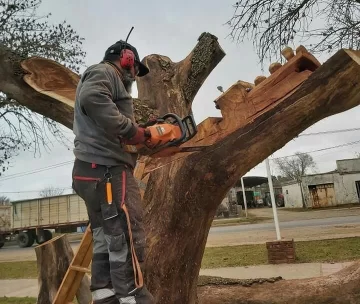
(140, 137)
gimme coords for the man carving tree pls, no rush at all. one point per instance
(103, 175)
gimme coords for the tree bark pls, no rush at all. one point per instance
(47, 87)
(53, 259)
(256, 121)
(339, 288)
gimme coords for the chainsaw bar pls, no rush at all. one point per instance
(192, 149)
(178, 149)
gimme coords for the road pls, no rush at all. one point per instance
(304, 229)
(299, 230)
(291, 224)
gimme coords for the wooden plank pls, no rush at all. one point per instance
(53, 210)
(63, 216)
(71, 282)
(80, 269)
(25, 214)
(74, 207)
(44, 211)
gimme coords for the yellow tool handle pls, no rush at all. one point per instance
(109, 197)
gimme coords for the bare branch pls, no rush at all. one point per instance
(272, 25)
(51, 191)
(28, 34)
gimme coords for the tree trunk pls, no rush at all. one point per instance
(201, 180)
(256, 121)
(53, 259)
(339, 288)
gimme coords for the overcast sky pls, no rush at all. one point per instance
(168, 28)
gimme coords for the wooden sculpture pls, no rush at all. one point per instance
(184, 191)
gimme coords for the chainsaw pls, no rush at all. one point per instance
(165, 136)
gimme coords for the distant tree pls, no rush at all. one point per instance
(357, 154)
(283, 178)
(4, 201)
(28, 33)
(321, 25)
(294, 168)
(51, 191)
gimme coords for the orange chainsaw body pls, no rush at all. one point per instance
(166, 135)
(162, 133)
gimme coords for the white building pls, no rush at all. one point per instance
(338, 187)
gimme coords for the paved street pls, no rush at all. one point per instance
(291, 224)
(300, 226)
(304, 230)
(287, 215)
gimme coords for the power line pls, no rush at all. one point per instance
(31, 191)
(21, 174)
(323, 149)
(330, 132)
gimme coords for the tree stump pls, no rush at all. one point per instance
(53, 259)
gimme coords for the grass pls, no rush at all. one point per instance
(230, 256)
(239, 221)
(336, 250)
(13, 300)
(18, 270)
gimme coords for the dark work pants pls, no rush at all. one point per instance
(113, 278)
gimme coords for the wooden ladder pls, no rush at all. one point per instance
(82, 259)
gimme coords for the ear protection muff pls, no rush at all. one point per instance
(127, 59)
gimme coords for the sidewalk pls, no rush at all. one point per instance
(29, 287)
(286, 271)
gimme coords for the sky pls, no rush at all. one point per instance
(168, 28)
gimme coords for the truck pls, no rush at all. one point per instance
(5, 223)
(33, 220)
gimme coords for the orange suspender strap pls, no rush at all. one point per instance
(139, 279)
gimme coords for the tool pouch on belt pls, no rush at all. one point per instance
(109, 209)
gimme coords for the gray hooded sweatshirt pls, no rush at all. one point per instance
(103, 114)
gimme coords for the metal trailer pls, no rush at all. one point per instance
(31, 220)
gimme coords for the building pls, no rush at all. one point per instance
(341, 186)
(257, 194)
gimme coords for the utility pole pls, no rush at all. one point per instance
(272, 196)
(244, 197)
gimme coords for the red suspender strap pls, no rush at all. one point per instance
(139, 279)
(85, 178)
